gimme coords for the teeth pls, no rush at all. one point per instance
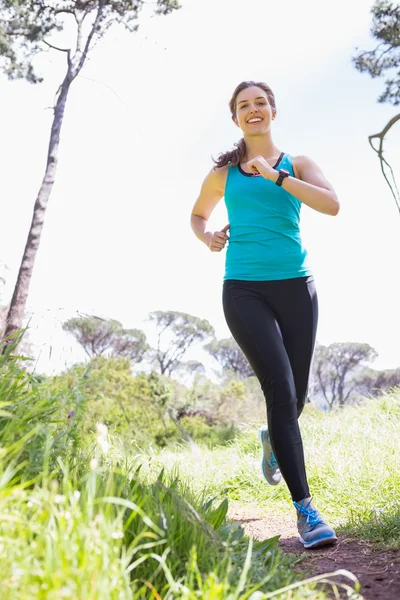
(255, 121)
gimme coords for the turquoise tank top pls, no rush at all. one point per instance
(264, 237)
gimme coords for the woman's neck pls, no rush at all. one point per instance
(260, 146)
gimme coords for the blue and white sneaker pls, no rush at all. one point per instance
(269, 466)
(313, 530)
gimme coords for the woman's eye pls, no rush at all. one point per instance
(259, 103)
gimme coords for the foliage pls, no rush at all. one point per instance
(232, 401)
(152, 534)
(140, 410)
(34, 422)
(25, 30)
(125, 404)
(156, 540)
(26, 26)
(385, 58)
(335, 370)
(145, 538)
(230, 357)
(176, 333)
(351, 453)
(98, 336)
(201, 431)
(373, 383)
(380, 525)
(130, 529)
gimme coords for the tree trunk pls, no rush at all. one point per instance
(16, 310)
(341, 390)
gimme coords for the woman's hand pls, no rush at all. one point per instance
(260, 166)
(218, 239)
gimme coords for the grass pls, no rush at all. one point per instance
(353, 466)
(88, 521)
(106, 535)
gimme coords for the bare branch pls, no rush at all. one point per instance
(90, 36)
(67, 50)
(78, 35)
(67, 11)
(384, 130)
(380, 136)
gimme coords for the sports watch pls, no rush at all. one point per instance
(282, 174)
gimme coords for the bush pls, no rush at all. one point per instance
(33, 421)
(143, 410)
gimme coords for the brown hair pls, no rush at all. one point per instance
(233, 157)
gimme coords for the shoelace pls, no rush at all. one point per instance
(311, 514)
(272, 462)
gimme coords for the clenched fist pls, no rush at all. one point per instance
(218, 239)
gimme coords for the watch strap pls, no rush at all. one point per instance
(282, 174)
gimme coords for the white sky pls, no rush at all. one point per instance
(137, 144)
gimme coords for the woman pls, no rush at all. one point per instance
(269, 297)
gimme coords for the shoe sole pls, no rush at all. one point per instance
(262, 463)
(318, 543)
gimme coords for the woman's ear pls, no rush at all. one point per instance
(234, 119)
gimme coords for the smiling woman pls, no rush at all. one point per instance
(269, 296)
(266, 110)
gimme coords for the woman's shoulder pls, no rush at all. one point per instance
(297, 162)
(220, 171)
(219, 176)
(302, 165)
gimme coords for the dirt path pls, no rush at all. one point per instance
(377, 571)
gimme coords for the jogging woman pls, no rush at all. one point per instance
(269, 297)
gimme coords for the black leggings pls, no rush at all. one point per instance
(275, 324)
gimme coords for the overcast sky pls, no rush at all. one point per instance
(141, 125)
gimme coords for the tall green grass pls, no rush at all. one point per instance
(109, 536)
(353, 466)
(83, 521)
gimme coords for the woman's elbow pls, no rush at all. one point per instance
(335, 206)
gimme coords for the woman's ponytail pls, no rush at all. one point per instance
(232, 157)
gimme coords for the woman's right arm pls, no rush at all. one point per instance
(212, 190)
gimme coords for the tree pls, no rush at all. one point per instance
(373, 383)
(26, 29)
(193, 366)
(384, 60)
(335, 370)
(98, 336)
(176, 333)
(229, 356)
(130, 343)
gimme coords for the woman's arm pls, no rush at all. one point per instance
(212, 190)
(309, 184)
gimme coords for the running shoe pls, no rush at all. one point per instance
(313, 530)
(269, 466)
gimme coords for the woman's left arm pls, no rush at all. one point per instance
(311, 186)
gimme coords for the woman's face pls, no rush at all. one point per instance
(253, 111)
